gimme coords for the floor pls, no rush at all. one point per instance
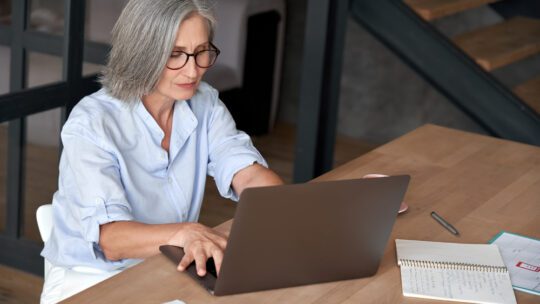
(41, 182)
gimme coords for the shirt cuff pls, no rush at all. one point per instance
(98, 214)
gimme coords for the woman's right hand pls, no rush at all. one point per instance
(200, 243)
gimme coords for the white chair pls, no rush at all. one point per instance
(44, 219)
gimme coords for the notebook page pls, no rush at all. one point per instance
(475, 254)
(457, 285)
(522, 255)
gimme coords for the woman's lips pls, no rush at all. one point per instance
(190, 85)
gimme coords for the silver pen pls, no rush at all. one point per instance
(444, 223)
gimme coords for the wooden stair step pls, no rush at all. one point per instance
(433, 9)
(501, 44)
(530, 93)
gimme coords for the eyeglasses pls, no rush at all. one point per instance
(203, 58)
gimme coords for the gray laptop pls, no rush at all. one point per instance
(293, 235)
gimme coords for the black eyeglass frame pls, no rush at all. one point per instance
(194, 55)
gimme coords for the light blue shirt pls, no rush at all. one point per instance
(113, 168)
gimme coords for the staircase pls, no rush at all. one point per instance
(460, 67)
(433, 9)
(530, 93)
(495, 46)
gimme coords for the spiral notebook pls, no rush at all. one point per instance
(473, 273)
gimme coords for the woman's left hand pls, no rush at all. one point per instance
(200, 243)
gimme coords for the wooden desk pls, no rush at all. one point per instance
(481, 185)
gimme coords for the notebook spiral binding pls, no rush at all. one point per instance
(449, 265)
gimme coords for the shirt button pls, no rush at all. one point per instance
(170, 180)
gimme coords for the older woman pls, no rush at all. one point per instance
(137, 152)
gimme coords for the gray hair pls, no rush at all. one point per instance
(142, 41)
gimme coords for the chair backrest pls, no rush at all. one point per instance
(44, 219)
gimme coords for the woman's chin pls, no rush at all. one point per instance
(184, 94)
(179, 91)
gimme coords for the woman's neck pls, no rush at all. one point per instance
(160, 108)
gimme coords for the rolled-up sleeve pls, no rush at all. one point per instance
(230, 150)
(96, 194)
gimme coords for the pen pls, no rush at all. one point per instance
(444, 223)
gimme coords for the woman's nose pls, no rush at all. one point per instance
(190, 69)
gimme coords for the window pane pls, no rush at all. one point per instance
(41, 166)
(101, 15)
(47, 16)
(43, 69)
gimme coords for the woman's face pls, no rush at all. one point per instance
(182, 83)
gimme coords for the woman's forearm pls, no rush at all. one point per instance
(254, 176)
(127, 239)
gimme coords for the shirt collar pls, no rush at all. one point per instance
(184, 123)
(148, 120)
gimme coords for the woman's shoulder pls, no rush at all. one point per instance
(99, 101)
(95, 109)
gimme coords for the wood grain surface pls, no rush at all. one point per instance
(501, 44)
(433, 9)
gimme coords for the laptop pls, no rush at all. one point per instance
(291, 235)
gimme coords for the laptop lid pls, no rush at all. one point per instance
(292, 235)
